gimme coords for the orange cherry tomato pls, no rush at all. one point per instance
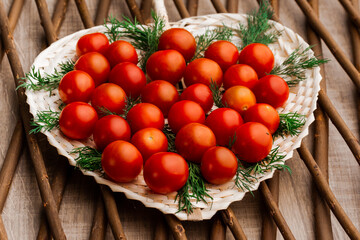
(239, 98)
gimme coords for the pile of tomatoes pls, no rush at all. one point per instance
(106, 75)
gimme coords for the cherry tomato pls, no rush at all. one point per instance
(199, 93)
(272, 90)
(76, 86)
(109, 129)
(145, 115)
(121, 161)
(193, 140)
(204, 71)
(108, 96)
(178, 39)
(218, 165)
(223, 122)
(265, 114)
(259, 57)
(223, 53)
(96, 65)
(121, 51)
(239, 98)
(160, 93)
(168, 65)
(93, 42)
(77, 120)
(165, 172)
(184, 112)
(240, 75)
(253, 142)
(149, 141)
(129, 77)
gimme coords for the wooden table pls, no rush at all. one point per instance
(23, 209)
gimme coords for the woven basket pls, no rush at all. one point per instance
(302, 100)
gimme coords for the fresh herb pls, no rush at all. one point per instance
(294, 67)
(290, 124)
(45, 121)
(216, 94)
(258, 29)
(243, 178)
(129, 104)
(48, 82)
(88, 158)
(170, 135)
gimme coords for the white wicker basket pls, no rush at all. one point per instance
(302, 99)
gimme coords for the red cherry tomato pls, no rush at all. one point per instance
(265, 114)
(240, 75)
(77, 120)
(184, 112)
(76, 86)
(129, 77)
(168, 65)
(149, 141)
(109, 129)
(204, 71)
(272, 90)
(160, 93)
(96, 65)
(145, 115)
(121, 51)
(223, 53)
(108, 96)
(199, 93)
(223, 122)
(165, 172)
(253, 142)
(218, 165)
(121, 161)
(193, 140)
(178, 39)
(259, 57)
(93, 42)
(239, 98)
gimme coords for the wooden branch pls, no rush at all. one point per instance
(192, 6)
(135, 11)
(176, 227)
(145, 10)
(84, 13)
(325, 191)
(232, 6)
(59, 14)
(102, 11)
(46, 21)
(218, 228)
(3, 235)
(353, 14)
(229, 218)
(219, 7)
(161, 232)
(181, 8)
(98, 229)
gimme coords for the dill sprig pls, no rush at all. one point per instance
(258, 29)
(129, 104)
(88, 158)
(243, 178)
(290, 124)
(194, 188)
(203, 41)
(216, 94)
(35, 81)
(170, 135)
(294, 67)
(45, 121)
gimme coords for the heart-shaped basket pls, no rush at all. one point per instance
(302, 100)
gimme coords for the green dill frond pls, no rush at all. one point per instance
(216, 94)
(170, 135)
(35, 81)
(290, 124)
(45, 121)
(129, 104)
(294, 67)
(113, 32)
(258, 29)
(232, 141)
(203, 41)
(183, 197)
(88, 158)
(243, 178)
(104, 111)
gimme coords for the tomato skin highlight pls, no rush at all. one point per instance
(259, 57)
(109, 129)
(93, 42)
(218, 165)
(121, 161)
(166, 172)
(145, 115)
(76, 86)
(121, 51)
(178, 39)
(108, 96)
(239, 98)
(203, 70)
(77, 120)
(199, 93)
(167, 65)
(184, 112)
(272, 90)
(253, 142)
(129, 77)
(96, 65)
(265, 114)
(223, 122)
(240, 75)
(223, 53)
(193, 140)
